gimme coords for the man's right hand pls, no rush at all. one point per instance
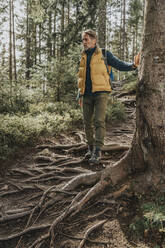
(137, 60)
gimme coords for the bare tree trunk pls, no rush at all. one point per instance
(120, 32)
(35, 43)
(102, 23)
(124, 32)
(14, 53)
(68, 12)
(39, 42)
(55, 36)
(49, 43)
(10, 43)
(62, 27)
(136, 39)
(77, 11)
(27, 43)
(133, 45)
(148, 145)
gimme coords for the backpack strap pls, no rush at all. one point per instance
(105, 59)
(104, 56)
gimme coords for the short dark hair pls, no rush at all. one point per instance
(91, 33)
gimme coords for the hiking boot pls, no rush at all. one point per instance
(96, 157)
(89, 153)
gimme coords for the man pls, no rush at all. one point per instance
(94, 87)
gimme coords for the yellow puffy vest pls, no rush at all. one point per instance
(99, 75)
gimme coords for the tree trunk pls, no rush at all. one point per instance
(148, 145)
(35, 43)
(10, 43)
(14, 53)
(133, 44)
(68, 12)
(124, 31)
(49, 40)
(62, 28)
(77, 11)
(28, 40)
(39, 42)
(55, 36)
(102, 23)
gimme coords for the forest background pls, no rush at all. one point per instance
(40, 48)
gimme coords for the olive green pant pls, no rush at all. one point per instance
(94, 112)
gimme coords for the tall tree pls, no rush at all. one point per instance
(14, 45)
(62, 27)
(10, 43)
(148, 145)
(102, 23)
(123, 30)
(28, 40)
(134, 18)
(49, 39)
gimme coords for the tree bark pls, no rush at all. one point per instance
(62, 28)
(124, 30)
(14, 52)
(148, 145)
(28, 40)
(102, 23)
(68, 12)
(49, 40)
(10, 43)
(39, 42)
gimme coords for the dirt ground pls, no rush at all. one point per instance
(32, 196)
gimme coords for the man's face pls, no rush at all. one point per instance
(88, 42)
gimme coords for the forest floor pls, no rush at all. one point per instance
(33, 195)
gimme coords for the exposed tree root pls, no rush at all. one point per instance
(14, 216)
(91, 229)
(30, 229)
(86, 178)
(45, 159)
(81, 136)
(59, 146)
(77, 207)
(24, 172)
(46, 177)
(107, 148)
(115, 147)
(100, 213)
(75, 187)
(58, 161)
(75, 170)
(77, 149)
(73, 162)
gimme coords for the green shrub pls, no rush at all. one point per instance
(130, 86)
(45, 120)
(152, 217)
(115, 111)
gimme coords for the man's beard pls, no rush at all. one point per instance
(86, 48)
